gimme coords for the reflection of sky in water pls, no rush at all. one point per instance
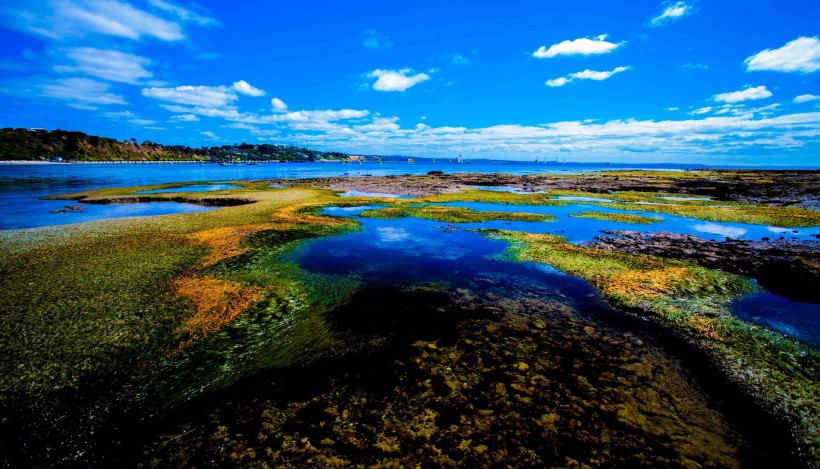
(372, 194)
(194, 188)
(794, 318)
(578, 230)
(722, 230)
(584, 229)
(411, 250)
(39, 212)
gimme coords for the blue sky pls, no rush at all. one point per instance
(636, 81)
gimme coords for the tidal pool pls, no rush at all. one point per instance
(448, 354)
(579, 230)
(36, 213)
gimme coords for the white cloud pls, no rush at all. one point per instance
(805, 98)
(81, 92)
(673, 109)
(120, 114)
(278, 105)
(208, 96)
(210, 135)
(142, 121)
(747, 94)
(598, 76)
(244, 87)
(109, 65)
(801, 55)
(186, 118)
(556, 82)
(585, 75)
(60, 19)
(582, 46)
(372, 40)
(672, 12)
(721, 135)
(183, 13)
(392, 80)
(702, 110)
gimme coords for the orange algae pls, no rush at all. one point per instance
(226, 242)
(217, 302)
(646, 283)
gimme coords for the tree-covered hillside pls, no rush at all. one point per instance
(38, 144)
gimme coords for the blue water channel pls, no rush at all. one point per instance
(411, 250)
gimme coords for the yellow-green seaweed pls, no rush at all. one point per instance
(617, 217)
(780, 373)
(452, 214)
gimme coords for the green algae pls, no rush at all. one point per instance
(708, 210)
(617, 217)
(82, 300)
(490, 197)
(451, 214)
(782, 374)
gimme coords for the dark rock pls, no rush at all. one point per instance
(785, 267)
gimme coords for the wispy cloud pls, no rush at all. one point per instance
(747, 94)
(83, 93)
(801, 55)
(805, 98)
(185, 118)
(582, 46)
(210, 135)
(396, 80)
(61, 19)
(109, 65)
(208, 96)
(585, 75)
(245, 88)
(371, 39)
(671, 12)
(186, 15)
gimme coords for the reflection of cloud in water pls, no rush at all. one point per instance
(418, 244)
(390, 234)
(777, 229)
(713, 228)
(371, 194)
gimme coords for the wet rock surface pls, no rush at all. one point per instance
(785, 267)
(777, 188)
(471, 380)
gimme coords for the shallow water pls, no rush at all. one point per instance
(799, 320)
(373, 194)
(37, 212)
(796, 319)
(193, 188)
(578, 230)
(457, 349)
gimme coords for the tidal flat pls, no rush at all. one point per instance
(293, 325)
